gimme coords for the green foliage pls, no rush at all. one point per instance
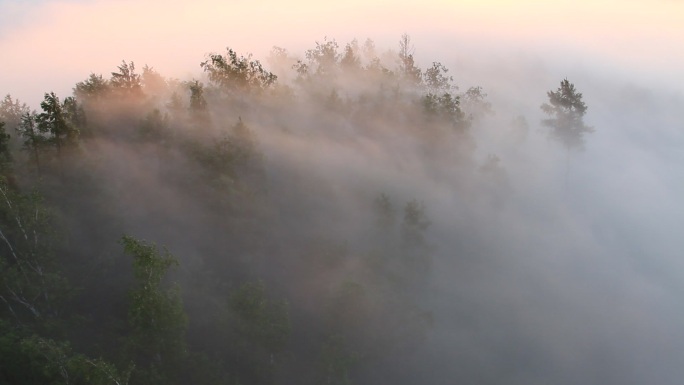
(94, 88)
(152, 82)
(566, 112)
(28, 359)
(302, 70)
(126, 82)
(11, 111)
(397, 267)
(56, 119)
(75, 114)
(197, 101)
(437, 80)
(156, 315)
(231, 160)
(256, 330)
(33, 288)
(369, 50)
(323, 59)
(5, 154)
(375, 68)
(262, 322)
(416, 254)
(358, 298)
(445, 109)
(350, 60)
(235, 73)
(475, 103)
(34, 137)
(175, 103)
(154, 128)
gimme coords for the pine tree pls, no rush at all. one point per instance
(56, 121)
(566, 112)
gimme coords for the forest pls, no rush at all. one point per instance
(262, 223)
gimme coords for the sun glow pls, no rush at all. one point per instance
(74, 37)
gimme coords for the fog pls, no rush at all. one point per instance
(547, 264)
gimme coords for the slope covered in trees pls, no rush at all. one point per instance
(295, 247)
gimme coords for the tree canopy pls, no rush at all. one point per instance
(281, 261)
(566, 110)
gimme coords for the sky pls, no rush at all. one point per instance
(48, 45)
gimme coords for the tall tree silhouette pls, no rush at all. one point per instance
(566, 112)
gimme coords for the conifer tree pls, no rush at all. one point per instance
(566, 111)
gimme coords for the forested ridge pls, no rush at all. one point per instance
(242, 227)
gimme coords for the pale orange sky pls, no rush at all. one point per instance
(52, 44)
